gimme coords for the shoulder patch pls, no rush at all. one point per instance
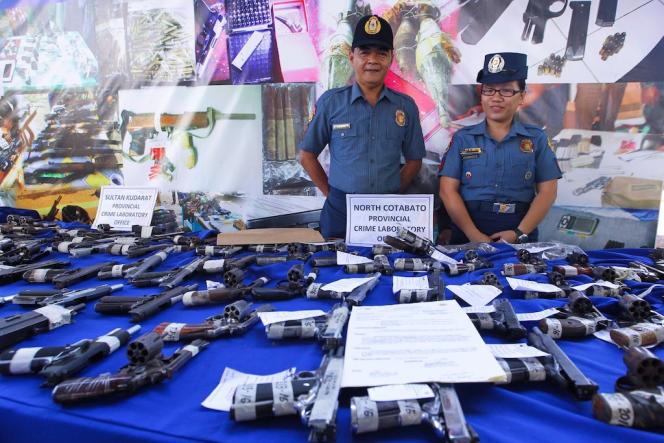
(550, 143)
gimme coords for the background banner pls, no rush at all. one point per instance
(207, 100)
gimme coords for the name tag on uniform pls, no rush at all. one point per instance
(340, 126)
(469, 153)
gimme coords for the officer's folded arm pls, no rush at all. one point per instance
(539, 207)
(408, 173)
(456, 208)
(310, 163)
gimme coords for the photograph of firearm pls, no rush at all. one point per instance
(184, 138)
(286, 110)
(78, 147)
(147, 366)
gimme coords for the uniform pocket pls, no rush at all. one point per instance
(522, 167)
(474, 171)
(345, 145)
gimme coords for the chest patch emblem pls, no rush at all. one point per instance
(400, 117)
(526, 145)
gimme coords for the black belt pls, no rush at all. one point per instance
(498, 207)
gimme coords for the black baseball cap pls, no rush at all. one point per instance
(373, 30)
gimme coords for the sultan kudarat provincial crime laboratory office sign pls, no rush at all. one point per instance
(370, 217)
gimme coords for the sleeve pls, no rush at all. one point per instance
(450, 166)
(546, 164)
(413, 147)
(317, 135)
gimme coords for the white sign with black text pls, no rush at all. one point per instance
(122, 207)
(370, 217)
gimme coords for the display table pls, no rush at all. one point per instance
(172, 411)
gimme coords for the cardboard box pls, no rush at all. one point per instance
(270, 236)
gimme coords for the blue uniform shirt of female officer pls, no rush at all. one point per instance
(498, 178)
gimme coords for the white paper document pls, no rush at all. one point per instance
(439, 256)
(222, 397)
(479, 309)
(344, 258)
(533, 248)
(346, 284)
(399, 283)
(276, 316)
(606, 284)
(400, 392)
(475, 295)
(516, 350)
(211, 284)
(536, 316)
(416, 343)
(526, 285)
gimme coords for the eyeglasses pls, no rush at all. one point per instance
(502, 92)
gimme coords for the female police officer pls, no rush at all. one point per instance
(368, 128)
(499, 177)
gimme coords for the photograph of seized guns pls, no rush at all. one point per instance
(313, 395)
(141, 127)
(352, 298)
(237, 318)
(141, 307)
(57, 363)
(443, 413)
(147, 366)
(556, 367)
(328, 329)
(18, 327)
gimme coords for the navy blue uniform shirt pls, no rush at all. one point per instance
(366, 143)
(505, 171)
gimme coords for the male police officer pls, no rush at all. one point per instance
(368, 128)
(499, 177)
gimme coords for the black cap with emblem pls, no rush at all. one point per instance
(503, 67)
(372, 30)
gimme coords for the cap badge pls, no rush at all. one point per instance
(372, 26)
(496, 64)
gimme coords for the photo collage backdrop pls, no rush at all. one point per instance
(208, 100)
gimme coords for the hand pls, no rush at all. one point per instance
(480, 237)
(508, 236)
(444, 237)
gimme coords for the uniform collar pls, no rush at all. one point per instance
(356, 93)
(516, 128)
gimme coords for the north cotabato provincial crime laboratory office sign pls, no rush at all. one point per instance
(370, 217)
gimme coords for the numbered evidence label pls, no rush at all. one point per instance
(370, 217)
(121, 207)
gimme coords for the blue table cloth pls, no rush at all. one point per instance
(172, 411)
